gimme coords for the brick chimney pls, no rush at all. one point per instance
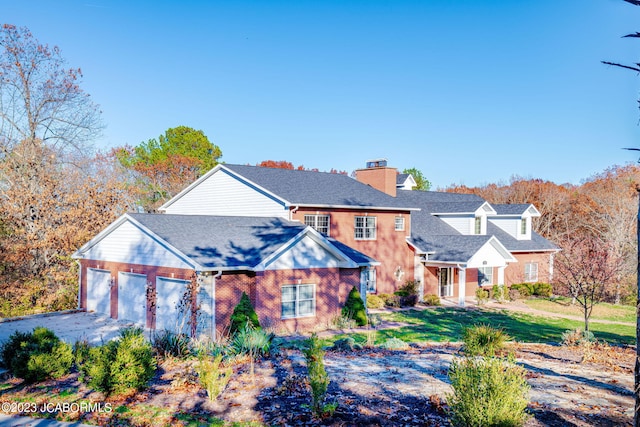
(378, 175)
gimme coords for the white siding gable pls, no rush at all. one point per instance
(464, 224)
(127, 243)
(510, 225)
(305, 253)
(222, 193)
(491, 254)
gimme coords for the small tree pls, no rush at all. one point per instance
(318, 378)
(243, 315)
(354, 308)
(585, 267)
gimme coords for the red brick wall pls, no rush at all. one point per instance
(229, 289)
(514, 273)
(332, 287)
(114, 267)
(390, 247)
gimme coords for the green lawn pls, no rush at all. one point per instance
(447, 324)
(603, 311)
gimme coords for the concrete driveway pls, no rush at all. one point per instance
(68, 326)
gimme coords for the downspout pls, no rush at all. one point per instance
(79, 284)
(213, 304)
(292, 211)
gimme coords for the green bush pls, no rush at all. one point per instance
(354, 308)
(374, 301)
(542, 290)
(483, 340)
(487, 392)
(213, 375)
(243, 314)
(36, 356)
(497, 293)
(120, 365)
(346, 344)
(252, 342)
(394, 344)
(482, 296)
(169, 344)
(432, 299)
(514, 294)
(525, 289)
(576, 337)
(408, 294)
(390, 300)
(318, 378)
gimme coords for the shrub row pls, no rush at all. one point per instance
(535, 289)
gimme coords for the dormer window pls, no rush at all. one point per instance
(523, 226)
(478, 225)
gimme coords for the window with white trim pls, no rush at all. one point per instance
(399, 223)
(298, 301)
(485, 276)
(319, 222)
(370, 278)
(478, 225)
(531, 272)
(523, 226)
(365, 228)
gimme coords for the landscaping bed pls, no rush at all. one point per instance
(371, 387)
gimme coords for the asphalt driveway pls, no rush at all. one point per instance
(68, 326)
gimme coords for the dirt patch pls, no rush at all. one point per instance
(386, 388)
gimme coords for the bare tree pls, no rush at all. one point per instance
(585, 267)
(41, 101)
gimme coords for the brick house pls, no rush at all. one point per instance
(328, 233)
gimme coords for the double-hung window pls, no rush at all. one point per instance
(477, 229)
(399, 223)
(523, 226)
(531, 272)
(319, 222)
(298, 301)
(365, 228)
(485, 276)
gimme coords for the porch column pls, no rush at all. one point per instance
(501, 275)
(462, 282)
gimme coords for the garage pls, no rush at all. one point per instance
(132, 297)
(99, 291)
(169, 292)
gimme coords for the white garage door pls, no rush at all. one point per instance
(169, 292)
(99, 291)
(132, 297)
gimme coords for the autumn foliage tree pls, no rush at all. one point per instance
(53, 196)
(163, 167)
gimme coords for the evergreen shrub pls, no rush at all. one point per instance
(36, 356)
(243, 314)
(354, 308)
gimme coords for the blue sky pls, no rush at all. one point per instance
(469, 92)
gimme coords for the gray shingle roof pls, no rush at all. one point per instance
(317, 188)
(226, 241)
(511, 209)
(431, 234)
(401, 178)
(451, 248)
(537, 242)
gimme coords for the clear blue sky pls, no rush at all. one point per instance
(469, 92)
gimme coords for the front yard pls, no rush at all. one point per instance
(372, 386)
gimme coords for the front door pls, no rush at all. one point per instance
(446, 282)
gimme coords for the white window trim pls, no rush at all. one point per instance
(528, 277)
(315, 218)
(481, 270)
(364, 228)
(477, 221)
(371, 278)
(399, 221)
(297, 301)
(525, 222)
